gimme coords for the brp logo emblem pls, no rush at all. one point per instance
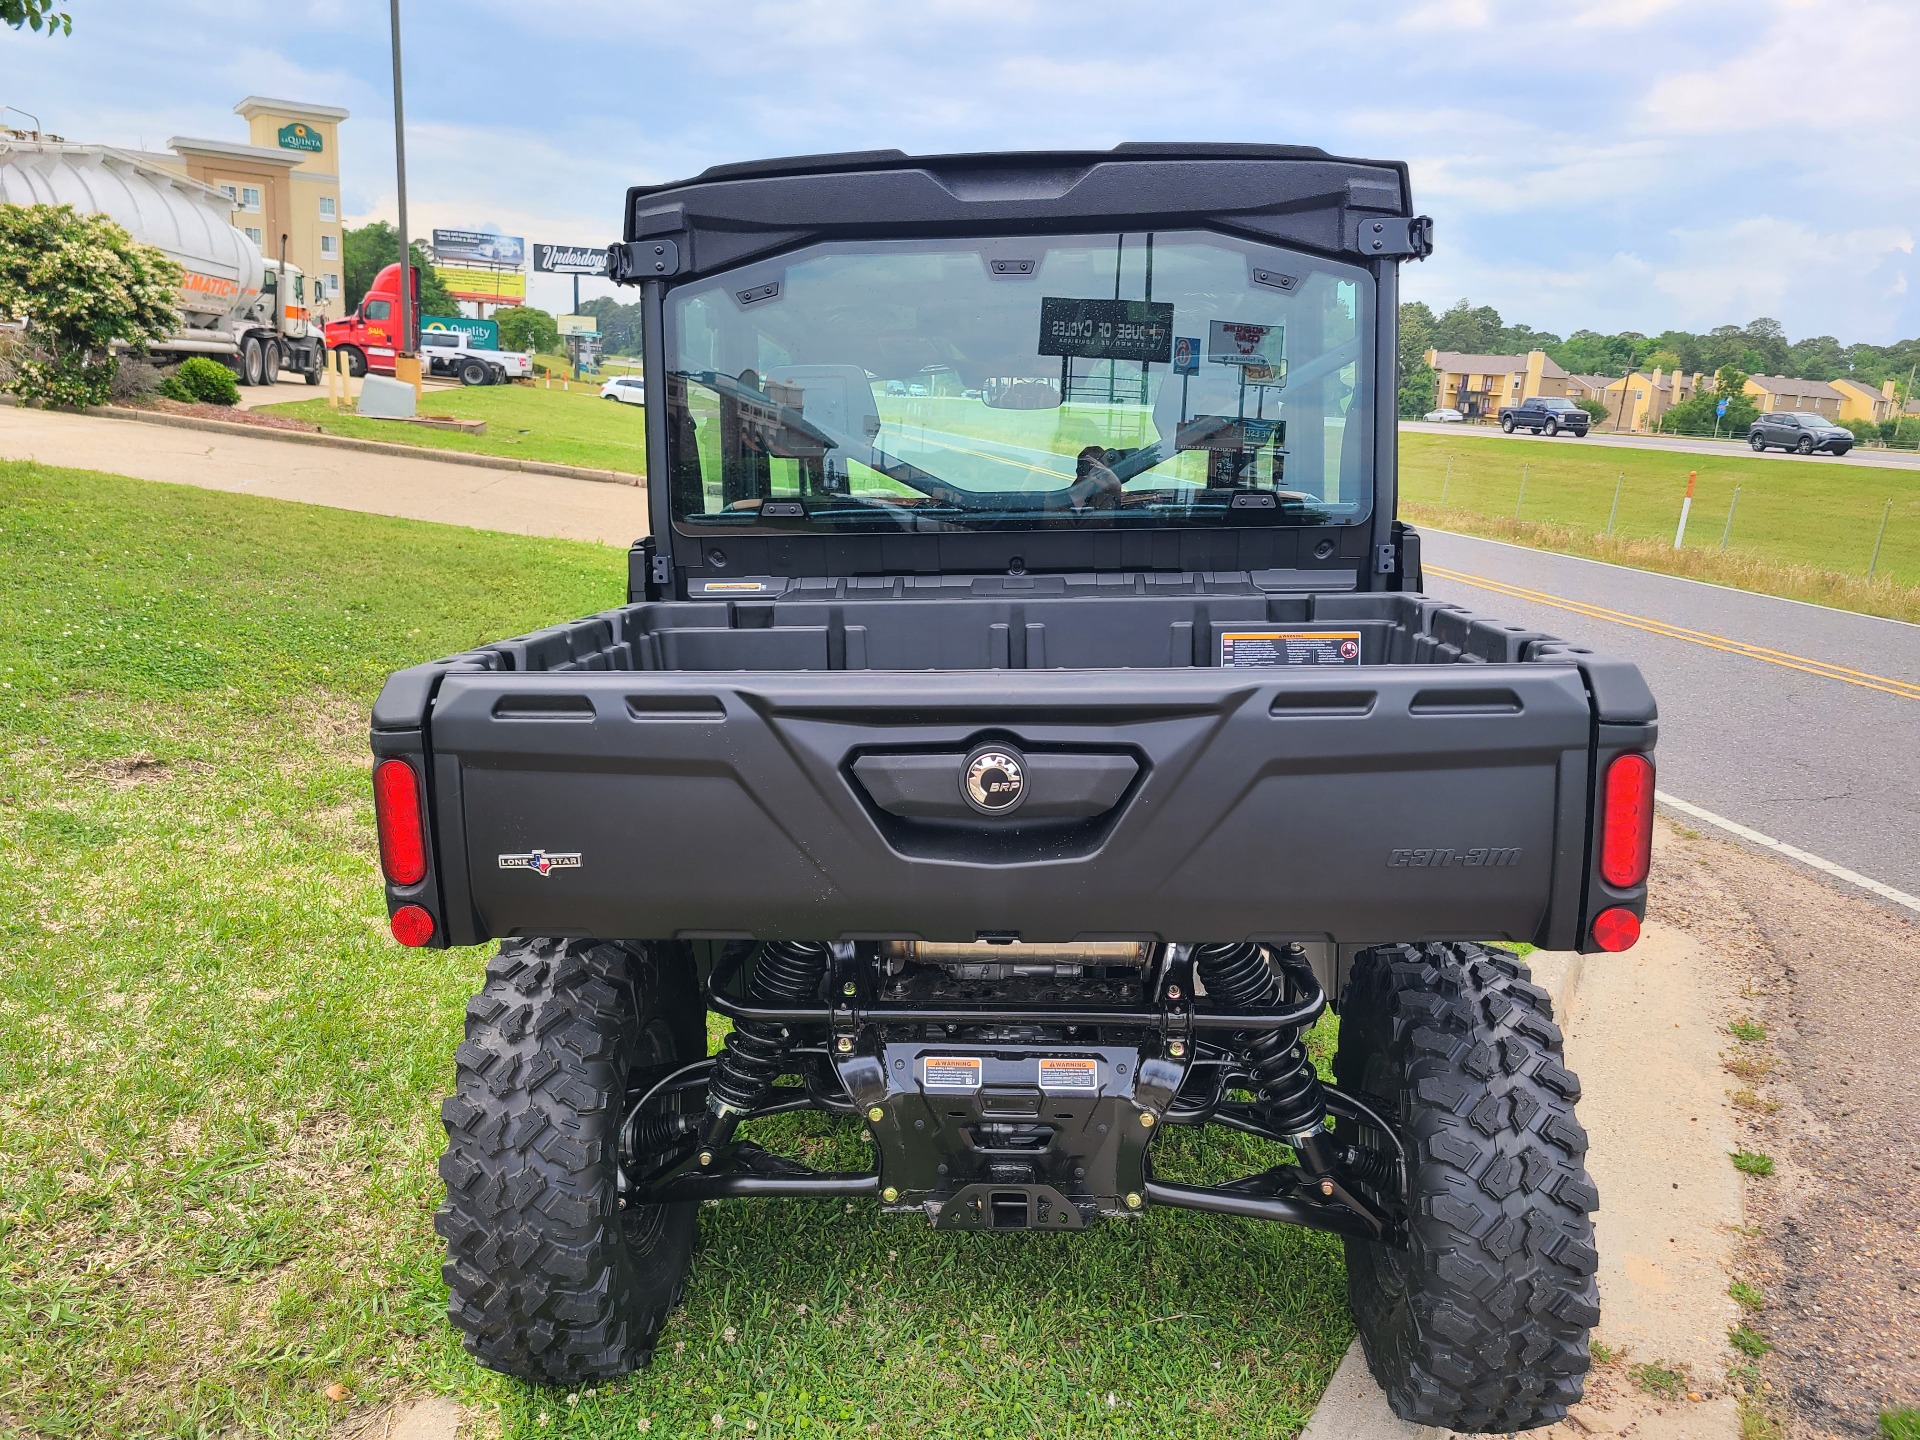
(994, 781)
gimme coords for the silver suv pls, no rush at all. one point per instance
(1800, 431)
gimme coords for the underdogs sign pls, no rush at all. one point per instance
(570, 259)
(1139, 330)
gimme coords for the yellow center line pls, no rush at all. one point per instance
(1905, 689)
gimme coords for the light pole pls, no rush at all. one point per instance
(406, 365)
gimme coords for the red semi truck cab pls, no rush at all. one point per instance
(368, 335)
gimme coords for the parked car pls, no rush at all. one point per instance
(627, 389)
(1445, 415)
(1800, 432)
(1545, 414)
(994, 829)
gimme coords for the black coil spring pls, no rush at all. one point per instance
(1286, 1086)
(756, 1052)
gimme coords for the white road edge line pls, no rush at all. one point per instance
(1827, 867)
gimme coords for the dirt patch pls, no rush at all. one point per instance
(232, 414)
(1824, 1083)
(129, 772)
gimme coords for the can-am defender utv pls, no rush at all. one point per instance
(1024, 721)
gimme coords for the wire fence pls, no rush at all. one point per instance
(1844, 520)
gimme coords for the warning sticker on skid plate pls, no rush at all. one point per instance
(950, 1072)
(1243, 648)
(1074, 1074)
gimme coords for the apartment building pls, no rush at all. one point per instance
(1478, 385)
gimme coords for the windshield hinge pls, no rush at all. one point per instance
(1393, 235)
(639, 260)
(1385, 559)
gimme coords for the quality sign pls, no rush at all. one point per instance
(570, 259)
(1139, 330)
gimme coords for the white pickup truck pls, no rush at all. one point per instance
(449, 352)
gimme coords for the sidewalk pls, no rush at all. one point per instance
(417, 489)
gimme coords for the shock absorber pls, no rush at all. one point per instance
(1286, 1087)
(756, 1051)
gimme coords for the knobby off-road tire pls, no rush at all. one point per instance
(1481, 1323)
(551, 1280)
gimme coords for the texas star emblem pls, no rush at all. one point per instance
(542, 862)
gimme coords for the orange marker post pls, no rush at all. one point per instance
(1686, 505)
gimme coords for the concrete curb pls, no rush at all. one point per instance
(372, 447)
(1354, 1406)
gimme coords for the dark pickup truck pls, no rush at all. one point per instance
(1545, 414)
(1023, 758)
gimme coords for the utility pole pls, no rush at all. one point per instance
(406, 365)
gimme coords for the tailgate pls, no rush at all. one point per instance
(1388, 804)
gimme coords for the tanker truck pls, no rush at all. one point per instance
(235, 305)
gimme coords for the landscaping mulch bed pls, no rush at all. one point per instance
(232, 414)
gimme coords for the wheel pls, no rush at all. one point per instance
(253, 363)
(1805, 445)
(316, 374)
(1757, 443)
(270, 363)
(474, 373)
(1553, 427)
(356, 360)
(1480, 1322)
(550, 1279)
(1506, 423)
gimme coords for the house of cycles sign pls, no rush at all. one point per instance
(570, 259)
(1138, 330)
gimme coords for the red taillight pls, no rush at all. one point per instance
(413, 926)
(1614, 929)
(1626, 827)
(396, 809)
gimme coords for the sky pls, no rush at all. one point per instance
(1599, 164)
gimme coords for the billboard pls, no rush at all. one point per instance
(570, 259)
(578, 324)
(1140, 330)
(479, 247)
(491, 287)
(1260, 350)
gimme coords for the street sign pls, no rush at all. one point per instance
(1138, 330)
(1721, 409)
(480, 247)
(578, 324)
(1186, 354)
(570, 259)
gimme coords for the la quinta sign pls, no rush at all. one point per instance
(299, 135)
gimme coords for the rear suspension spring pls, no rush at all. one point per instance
(788, 972)
(1286, 1087)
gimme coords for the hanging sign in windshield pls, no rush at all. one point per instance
(1139, 330)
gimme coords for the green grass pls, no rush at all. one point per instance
(1802, 529)
(528, 422)
(1657, 1377)
(1900, 1424)
(1748, 1297)
(1749, 1341)
(219, 1078)
(1747, 1030)
(1751, 1162)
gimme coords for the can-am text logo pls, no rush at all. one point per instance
(542, 862)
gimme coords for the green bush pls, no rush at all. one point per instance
(78, 285)
(205, 381)
(522, 327)
(1863, 430)
(1597, 409)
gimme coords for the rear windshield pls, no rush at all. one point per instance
(1111, 380)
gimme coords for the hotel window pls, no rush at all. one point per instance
(329, 208)
(333, 284)
(253, 234)
(329, 245)
(231, 194)
(250, 198)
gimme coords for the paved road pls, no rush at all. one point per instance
(1872, 459)
(1791, 745)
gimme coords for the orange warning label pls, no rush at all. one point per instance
(950, 1072)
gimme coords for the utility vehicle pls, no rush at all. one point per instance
(1023, 766)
